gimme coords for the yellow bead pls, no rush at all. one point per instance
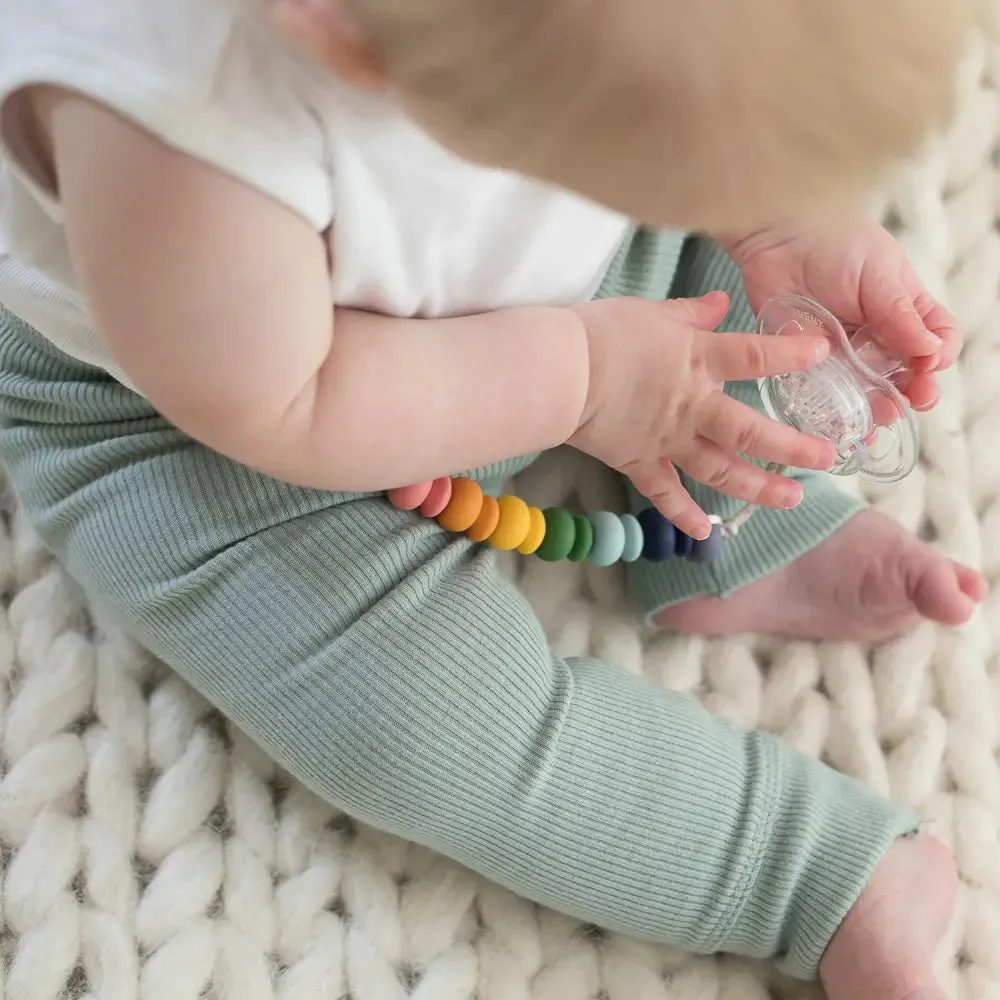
(515, 523)
(536, 533)
(489, 518)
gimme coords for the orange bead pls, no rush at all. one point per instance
(464, 506)
(536, 533)
(515, 523)
(489, 518)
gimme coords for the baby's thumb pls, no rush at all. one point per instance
(705, 312)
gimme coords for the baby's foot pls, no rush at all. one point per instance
(884, 949)
(870, 580)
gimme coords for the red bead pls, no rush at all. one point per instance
(409, 497)
(437, 498)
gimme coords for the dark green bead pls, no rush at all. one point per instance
(560, 534)
(584, 541)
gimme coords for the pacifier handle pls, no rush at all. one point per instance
(898, 373)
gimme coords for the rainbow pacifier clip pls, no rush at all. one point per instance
(852, 398)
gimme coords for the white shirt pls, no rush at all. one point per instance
(414, 231)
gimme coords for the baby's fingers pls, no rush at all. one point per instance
(733, 357)
(662, 487)
(944, 326)
(899, 328)
(741, 430)
(923, 392)
(737, 478)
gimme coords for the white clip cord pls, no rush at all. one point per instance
(731, 525)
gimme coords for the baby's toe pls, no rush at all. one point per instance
(971, 583)
(941, 590)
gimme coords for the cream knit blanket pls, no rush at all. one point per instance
(149, 852)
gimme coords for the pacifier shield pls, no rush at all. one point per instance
(850, 399)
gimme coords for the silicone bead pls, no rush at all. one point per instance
(489, 518)
(709, 549)
(683, 544)
(658, 535)
(536, 533)
(633, 538)
(438, 497)
(560, 533)
(584, 540)
(609, 538)
(409, 497)
(464, 506)
(515, 522)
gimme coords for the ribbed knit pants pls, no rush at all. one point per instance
(386, 664)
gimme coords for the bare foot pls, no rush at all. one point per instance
(884, 949)
(870, 580)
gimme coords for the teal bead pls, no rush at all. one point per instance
(633, 538)
(609, 538)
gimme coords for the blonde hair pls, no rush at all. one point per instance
(694, 113)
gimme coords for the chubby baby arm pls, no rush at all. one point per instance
(215, 300)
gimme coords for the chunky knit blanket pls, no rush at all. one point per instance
(148, 850)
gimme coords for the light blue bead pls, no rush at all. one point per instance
(633, 538)
(609, 538)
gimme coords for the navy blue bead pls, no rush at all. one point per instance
(683, 544)
(709, 549)
(658, 535)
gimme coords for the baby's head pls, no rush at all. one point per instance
(718, 114)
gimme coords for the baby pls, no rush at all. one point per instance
(243, 296)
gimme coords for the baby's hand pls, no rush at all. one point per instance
(656, 401)
(860, 273)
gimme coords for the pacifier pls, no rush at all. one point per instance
(852, 398)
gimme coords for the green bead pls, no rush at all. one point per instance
(560, 534)
(584, 541)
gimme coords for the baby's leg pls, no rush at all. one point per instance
(387, 665)
(829, 569)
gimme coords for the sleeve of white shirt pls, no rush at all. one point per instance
(208, 77)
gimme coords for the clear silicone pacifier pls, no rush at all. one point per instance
(851, 399)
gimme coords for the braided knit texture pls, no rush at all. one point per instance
(149, 851)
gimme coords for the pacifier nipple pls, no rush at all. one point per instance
(851, 399)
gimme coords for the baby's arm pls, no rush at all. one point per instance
(215, 300)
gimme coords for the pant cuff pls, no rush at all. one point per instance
(827, 835)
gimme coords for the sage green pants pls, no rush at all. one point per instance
(387, 665)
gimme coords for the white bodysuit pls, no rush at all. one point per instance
(414, 231)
